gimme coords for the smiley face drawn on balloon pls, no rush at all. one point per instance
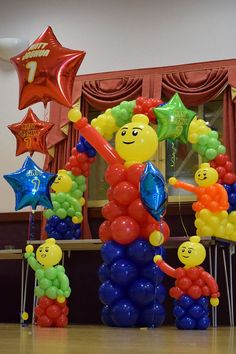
(192, 253)
(206, 176)
(63, 182)
(49, 253)
(136, 142)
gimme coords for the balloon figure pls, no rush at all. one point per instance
(31, 185)
(31, 134)
(53, 284)
(65, 217)
(131, 290)
(46, 71)
(193, 286)
(211, 207)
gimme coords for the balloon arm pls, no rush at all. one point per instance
(186, 186)
(33, 262)
(212, 284)
(64, 281)
(166, 268)
(99, 143)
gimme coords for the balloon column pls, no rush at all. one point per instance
(192, 286)
(131, 289)
(53, 284)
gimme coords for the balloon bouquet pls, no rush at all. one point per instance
(192, 286)
(53, 284)
(132, 291)
(46, 72)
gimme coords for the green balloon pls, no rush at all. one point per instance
(81, 179)
(51, 292)
(48, 213)
(202, 139)
(67, 292)
(56, 283)
(60, 197)
(65, 205)
(50, 273)
(221, 149)
(39, 292)
(45, 283)
(56, 205)
(60, 269)
(71, 212)
(201, 149)
(213, 134)
(39, 274)
(74, 186)
(60, 292)
(210, 154)
(77, 194)
(61, 213)
(213, 143)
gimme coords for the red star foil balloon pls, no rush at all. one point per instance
(31, 134)
(46, 71)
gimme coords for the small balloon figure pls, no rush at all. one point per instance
(192, 286)
(211, 195)
(53, 284)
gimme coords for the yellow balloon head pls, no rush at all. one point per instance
(192, 253)
(136, 142)
(63, 182)
(206, 175)
(49, 253)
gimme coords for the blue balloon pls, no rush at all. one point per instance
(106, 316)
(232, 198)
(233, 187)
(54, 220)
(186, 322)
(31, 185)
(112, 251)
(80, 147)
(104, 273)
(203, 323)
(160, 293)
(227, 187)
(123, 272)
(110, 293)
(140, 251)
(153, 273)
(196, 311)
(77, 234)
(55, 234)
(62, 227)
(152, 316)
(178, 311)
(185, 301)
(124, 314)
(153, 191)
(203, 301)
(142, 292)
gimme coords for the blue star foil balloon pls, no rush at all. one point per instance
(153, 191)
(31, 185)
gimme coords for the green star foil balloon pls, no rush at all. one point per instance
(173, 120)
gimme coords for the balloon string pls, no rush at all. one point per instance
(46, 113)
(173, 154)
(31, 228)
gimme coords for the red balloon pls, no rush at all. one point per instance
(176, 292)
(163, 227)
(195, 291)
(134, 173)
(206, 291)
(30, 134)
(137, 211)
(61, 321)
(44, 321)
(44, 302)
(112, 210)
(125, 192)
(76, 171)
(221, 159)
(53, 311)
(105, 231)
(193, 273)
(65, 310)
(184, 283)
(109, 193)
(228, 166)
(221, 171)
(124, 230)
(46, 71)
(229, 178)
(115, 173)
(39, 311)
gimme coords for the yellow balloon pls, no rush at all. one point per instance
(204, 214)
(232, 217)
(192, 253)
(63, 182)
(74, 114)
(29, 249)
(25, 316)
(156, 238)
(214, 301)
(49, 253)
(136, 141)
(206, 175)
(61, 299)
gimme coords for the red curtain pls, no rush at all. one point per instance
(229, 125)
